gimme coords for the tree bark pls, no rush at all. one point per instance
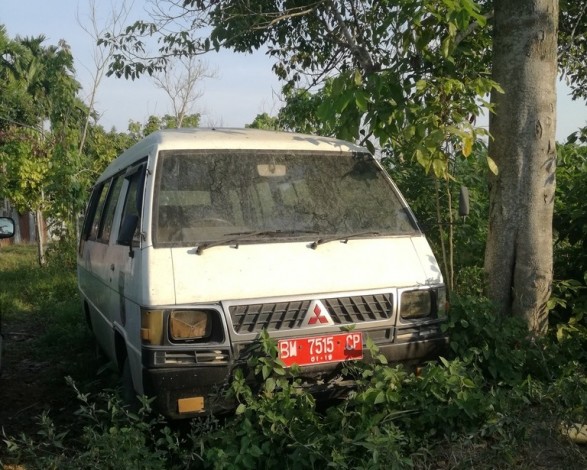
(40, 235)
(518, 257)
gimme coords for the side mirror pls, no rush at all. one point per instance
(127, 229)
(464, 202)
(6, 227)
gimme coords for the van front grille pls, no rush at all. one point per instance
(282, 316)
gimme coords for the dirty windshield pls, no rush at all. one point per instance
(210, 196)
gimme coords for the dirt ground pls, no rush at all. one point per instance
(27, 386)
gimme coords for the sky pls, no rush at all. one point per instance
(245, 85)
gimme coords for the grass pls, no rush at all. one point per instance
(45, 340)
(44, 303)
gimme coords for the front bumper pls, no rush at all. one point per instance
(188, 391)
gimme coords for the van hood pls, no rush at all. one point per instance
(251, 271)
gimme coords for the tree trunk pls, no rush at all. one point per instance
(40, 231)
(518, 256)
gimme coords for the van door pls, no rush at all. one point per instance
(124, 255)
(93, 269)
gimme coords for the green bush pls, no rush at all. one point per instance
(568, 303)
(394, 418)
(495, 345)
(111, 437)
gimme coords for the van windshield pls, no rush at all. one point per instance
(208, 196)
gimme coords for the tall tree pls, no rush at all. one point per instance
(181, 80)
(41, 130)
(95, 28)
(518, 257)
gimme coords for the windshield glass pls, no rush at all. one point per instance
(206, 196)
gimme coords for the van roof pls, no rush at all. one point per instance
(225, 138)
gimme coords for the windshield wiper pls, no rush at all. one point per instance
(344, 238)
(236, 237)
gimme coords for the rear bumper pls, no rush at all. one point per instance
(206, 385)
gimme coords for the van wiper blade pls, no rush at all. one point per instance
(236, 237)
(275, 232)
(344, 238)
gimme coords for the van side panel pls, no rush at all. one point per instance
(94, 288)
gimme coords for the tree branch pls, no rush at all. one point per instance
(361, 54)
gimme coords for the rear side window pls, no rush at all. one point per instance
(93, 212)
(101, 204)
(100, 214)
(109, 208)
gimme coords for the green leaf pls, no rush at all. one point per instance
(358, 78)
(446, 46)
(341, 103)
(270, 384)
(380, 398)
(421, 158)
(409, 132)
(492, 166)
(467, 146)
(421, 85)
(361, 101)
(240, 409)
(266, 371)
(439, 166)
(467, 382)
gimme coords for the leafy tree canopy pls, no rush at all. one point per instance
(404, 74)
(139, 130)
(264, 121)
(37, 82)
(572, 47)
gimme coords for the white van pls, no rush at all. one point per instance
(196, 240)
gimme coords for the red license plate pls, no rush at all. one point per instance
(323, 349)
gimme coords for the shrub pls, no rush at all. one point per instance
(497, 346)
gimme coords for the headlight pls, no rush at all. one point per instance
(416, 304)
(185, 325)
